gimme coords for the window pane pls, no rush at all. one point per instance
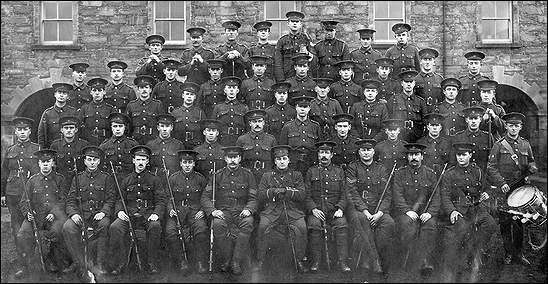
(177, 30)
(395, 9)
(50, 31)
(272, 9)
(275, 30)
(50, 10)
(383, 30)
(162, 9)
(286, 6)
(65, 31)
(65, 10)
(502, 29)
(381, 9)
(502, 9)
(487, 9)
(162, 28)
(178, 9)
(488, 29)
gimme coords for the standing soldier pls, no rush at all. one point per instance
(403, 53)
(212, 91)
(256, 91)
(392, 150)
(344, 152)
(210, 153)
(330, 51)
(389, 85)
(473, 134)
(194, 60)
(301, 81)
(118, 93)
(69, 148)
(94, 115)
(493, 112)
(257, 144)
(263, 47)
(143, 110)
(235, 54)
(164, 147)
(412, 189)
(188, 116)
(470, 94)
(370, 113)
(49, 128)
(18, 165)
(235, 202)
(169, 91)
(345, 90)
(188, 186)
(80, 92)
(90, 201)
(145, 198)
(231, 112)
(438, 146)
(280, 112)
(323, 108)
(326, 199)
(365, 57)
(451, 108)
(281, 192)
(117, 147)
(152, 65)
(428, 82)
(289, 45)
(45, 194)
(511, 160)
(301, 133)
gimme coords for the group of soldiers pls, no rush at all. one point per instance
(233, 145)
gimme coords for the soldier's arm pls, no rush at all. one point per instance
(352, 188)
(26, 198)
(110, 195)
(42, 130)
(278, 61)
(416, 59)
(445, 191)
(283, 135)
(119, 206)
(434, 207)
(5, 173)
(252, 195)
(58, 209)
(264, 191)
(309, 203)
(387, 199)
(142, 66)
(72, 205)
(397, 193)
(492, 166)
(298, 191)
(159, 197)
(207, 204)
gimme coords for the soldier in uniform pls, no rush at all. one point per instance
(493, 112)
(194, 60)
(329, 51)
(451, 108)
(289, 45)
(256, 91)
(365, 57)
(374, 230)
(49, 128)
(152, 65)
(210, 153)
(212, 92)
(344, 152)
(280, 112)
(45, 192)
(164, 147)
(188, 186)
(411, 191)
(90, 199)
(461, 192)
(187, 117)
(257, 144)
(69, 148)
(235, 54)
(408, 107)
(301, 81)
(263, 48)
(94, 115)
(345, 90)
(369, 113)
(511, 160)
(18, 165)
(143, 110)
(473, 134)
(282, 191)
(118, 93)
(169, 91)
(301, 133)
(231, 112)
(117, 147)
(469, 95)
(80, 92)
(145, 200)
(323, 108)
(389, 86)
(392, 150)
(326, 200)
(235, 202)
(403, 53)
(427, 82)
(438, 146)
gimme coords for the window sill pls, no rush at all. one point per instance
(511, 45)
(382, 45)
(176, 46)
(55, 47)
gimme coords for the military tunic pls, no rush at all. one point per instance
(411, 109)
(169, 93)
(232, 114)
(187, 125)
(345, 152)
(469, 94)
(96, 126)
(329, 52)
(211, 94)
(256, 92)
(117, 151)
(428, 87)
(288, 46)
(390, 152)
(153, 68)
(277, 116)
(196, 72)
(299, 84)
(480, 138)
(143, 118)
(267, 50)
(368, 118)
(67, 155)
(79, 96)
(498, 126)
(49, 128)
(454, 118)
(301, 136)
(237, 66)
(165, 149)
(119, 95)
(347, 93)
(322, 111)
(437, 151)
(388, 88)
(257, 152)
(403, 55)
(208, 155)
(366, 68)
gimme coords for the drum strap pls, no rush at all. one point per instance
(506, 145)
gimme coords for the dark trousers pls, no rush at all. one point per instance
(198, 230)
(512, 234)
(408, 230)
(16, 218)
(232, 235)
(338, 225)
(72, 234)
(52, 232)
(268, 225)
(147, 235)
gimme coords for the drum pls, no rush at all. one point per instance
(530, 202)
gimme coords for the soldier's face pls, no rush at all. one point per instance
(330, 34)
(45, 166)
(188, 97)
(78, 76)
(140, 162)
(463, 158)
(257, 124)
(155, 48)
(61, 97)
(69, 131)
(144, 92)
(366, 41)
(215, 73)
(383, 71)
(474, 66)
(427, 64)
(231, 92)
(91, 163)
(402, 37)
(281, 162)
(322, 92)
(302, 111)
(324, 156)
(170, 73)
(281, 97)
(97, 94)
(196, 40)
(118, 129)
(408, 85)
(263, 34)
(473, 122)
(231, 34)
(450, 93)
(342, 128)
(513, 128)
(301, 69)
(232, 161)
(392, 133)
(346, 73)
(187, 165)
(294, 25)
(22, 133)
(487, 96)
(414, 159)
(210, 134)
(259, 69)
(366, 154)
(116, 74)
(370, 94)
(434, 129)
(164, 130)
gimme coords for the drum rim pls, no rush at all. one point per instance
(531, 200)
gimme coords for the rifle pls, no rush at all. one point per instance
(211, 225)
(179, 226)
(325, 237)
(35, 230)
(84, 227)
(293, 251)
(131, 230)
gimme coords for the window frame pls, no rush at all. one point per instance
(374, 19)
(74, 20)
(187, 13)
(275, 21)
(511, 24)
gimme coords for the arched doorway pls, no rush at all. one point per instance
(33, 107)
(514, 100)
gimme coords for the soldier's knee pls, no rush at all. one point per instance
(339, 223)
(314, 223)
(246, 224)
(70, 227)
(154, 226)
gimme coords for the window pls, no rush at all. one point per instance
(170, 19)
(496, 21)
(58, 22)
(274, 11)
(385, 15)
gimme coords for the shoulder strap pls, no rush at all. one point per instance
(507, 146)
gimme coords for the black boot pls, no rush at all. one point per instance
(316, 250)
(426, 268)
(343, 266)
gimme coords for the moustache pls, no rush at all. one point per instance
(414, 160)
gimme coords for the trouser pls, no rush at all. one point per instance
(147, 235)
(16, 218)
(232, 235)
(512, 234)
(72, 234)
(338, 225)
(51, 241)
(408, 230)
(297, 234)
(198, 230)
